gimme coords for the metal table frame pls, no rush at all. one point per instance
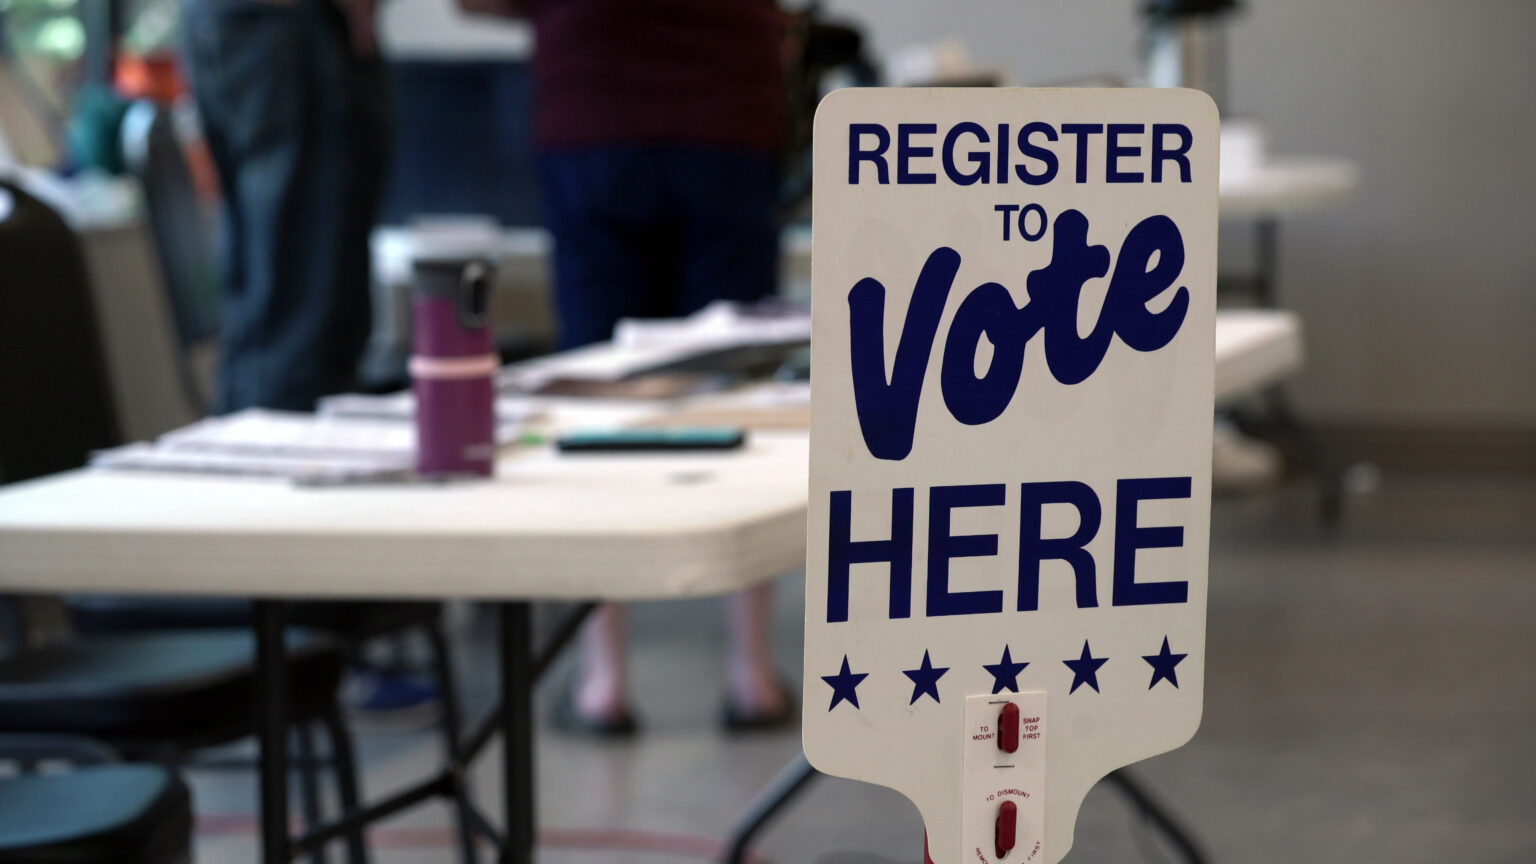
(512, 717)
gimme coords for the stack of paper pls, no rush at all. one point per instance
(264, 443)
(721, 324)
(259, 432)
(645, 345)
(150, 457)
(511, 411)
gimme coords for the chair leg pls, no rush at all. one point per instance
(309, 783)
(448, 694)
(346, 781)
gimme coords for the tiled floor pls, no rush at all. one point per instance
(1371, 696)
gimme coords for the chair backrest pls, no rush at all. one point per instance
(153, 154)
(55, 400)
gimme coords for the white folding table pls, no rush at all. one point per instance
(546, 527)
(613, 526)
(597, 527)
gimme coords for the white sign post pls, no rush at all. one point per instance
(1014, 311)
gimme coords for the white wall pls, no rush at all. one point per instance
(1419, 296)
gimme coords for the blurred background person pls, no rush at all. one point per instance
(658, 125)
(291, 97)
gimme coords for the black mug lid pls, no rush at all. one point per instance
(1189, 8)
(442, 277)
(465, 281)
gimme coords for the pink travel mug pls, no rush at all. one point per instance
(453, 366)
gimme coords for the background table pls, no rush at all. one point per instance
(1286, 185)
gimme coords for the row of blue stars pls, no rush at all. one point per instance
(1005, 674)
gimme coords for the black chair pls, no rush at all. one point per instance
(55, 403)
(352, 623)
(160, 695)
(96, 813)
(150, 693)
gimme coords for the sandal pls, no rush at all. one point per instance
(738, 720)
(568, 719)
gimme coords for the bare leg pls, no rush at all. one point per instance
(602, 686)
(753, 686)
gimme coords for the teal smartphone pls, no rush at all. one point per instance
(630, 440)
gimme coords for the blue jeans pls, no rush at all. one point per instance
(656, 232)
(296, 125)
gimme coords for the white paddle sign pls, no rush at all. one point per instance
(1014, 311)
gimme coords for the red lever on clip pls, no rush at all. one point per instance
(1007, 828)
(1008, 728)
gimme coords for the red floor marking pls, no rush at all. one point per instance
(405, 836)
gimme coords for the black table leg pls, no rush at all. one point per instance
(272, 730)
(1266, 262)
(1266, 286)
(1159, 816)
(517, 731)
(452, 730)
(783, 787)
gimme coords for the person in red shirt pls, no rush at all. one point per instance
(658, 124)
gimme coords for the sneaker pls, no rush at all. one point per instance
(390, 696)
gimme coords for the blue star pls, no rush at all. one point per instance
(925, 679)
(845, 685)
(1005, 674)
(1162, 665)
(1085, 669)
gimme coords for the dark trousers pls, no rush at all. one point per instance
(656, 232)
(296, 125)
